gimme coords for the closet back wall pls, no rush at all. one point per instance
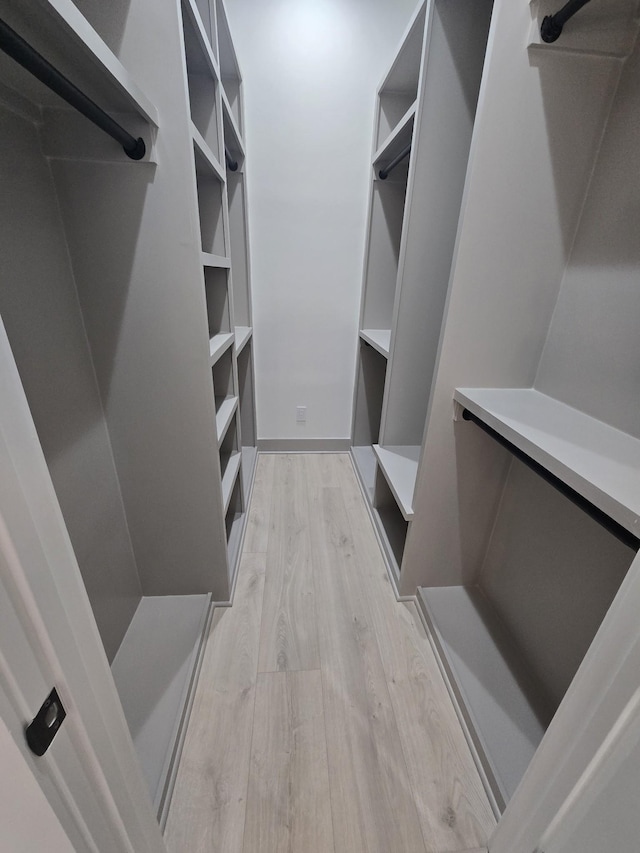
(308, 69)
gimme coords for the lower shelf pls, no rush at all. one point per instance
(399, 464)
(155, 671)
(249, 459)
(498, 698)
(365, 462)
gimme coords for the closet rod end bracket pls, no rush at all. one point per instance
(137, 150)
(550, 29)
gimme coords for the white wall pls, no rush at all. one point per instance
(310, 68)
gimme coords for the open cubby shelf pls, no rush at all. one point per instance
(243, 335)
(380, 339)
(211, 210)
(230, 466)
(218, 345)
(225, 410)
(162, 646)
(399, 465)
(205, 160)
(398, 139)
(598, 461)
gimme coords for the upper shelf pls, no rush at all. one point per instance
(199, 54)
(399, 137)
(399, 465)
(232, 135)
(601, 28)
(66, 39)
(380, 339)
(242, 333)
(599, 462)
(402, 77)
(205, 160)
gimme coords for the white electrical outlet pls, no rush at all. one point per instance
(301, 414)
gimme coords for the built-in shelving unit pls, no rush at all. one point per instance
(528, 485)
(130, 289)
(425, 103)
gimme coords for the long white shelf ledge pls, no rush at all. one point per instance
(236, 142)
(399, 465)
(155, 671)
(218, 345)
(219, 261)
(202, 46)
(225, 410)
(230, 464)
(399, 137)
(380, 339)
(206, 161)
(243, 333)
(598, 461)
(495, 691)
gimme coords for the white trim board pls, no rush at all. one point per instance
(303, 445)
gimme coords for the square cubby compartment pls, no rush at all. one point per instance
(216, 284)
(211, 217)
(226, 398)
(230, 457)
(392, 525)
(202, 88)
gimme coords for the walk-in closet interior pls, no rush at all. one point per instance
(493, 371)
(126, 300)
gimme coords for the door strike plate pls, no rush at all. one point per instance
(44, 727)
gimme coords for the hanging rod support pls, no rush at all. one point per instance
(552, 25)
(232, 165)
(383, 174)
(17, 48)
(576, 498)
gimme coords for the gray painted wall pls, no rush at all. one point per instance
(40, 309)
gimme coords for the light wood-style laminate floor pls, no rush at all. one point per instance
(321, 722)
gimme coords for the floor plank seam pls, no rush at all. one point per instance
(253, 712)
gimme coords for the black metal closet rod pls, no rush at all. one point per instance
(383, 174)
(579, 500)
(552, 25)
(17, 48)
(232, 164)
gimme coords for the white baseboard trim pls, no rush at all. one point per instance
(303, 445)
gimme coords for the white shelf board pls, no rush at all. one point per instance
(403, 74)
(234, 540)
(235, 143)
(71, 44)
(364, 460)
(206, 52)
(206, 161)
(599, 462)
(380, 339)
(399, 464)
(243, 333)
(154, 673)
(399, 137)
(225, 410)
(592, 32)
(230, 464)
(498, 697)
(218, 345)
(249, 459)
(218, 261)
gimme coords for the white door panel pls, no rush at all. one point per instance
(48, 637)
